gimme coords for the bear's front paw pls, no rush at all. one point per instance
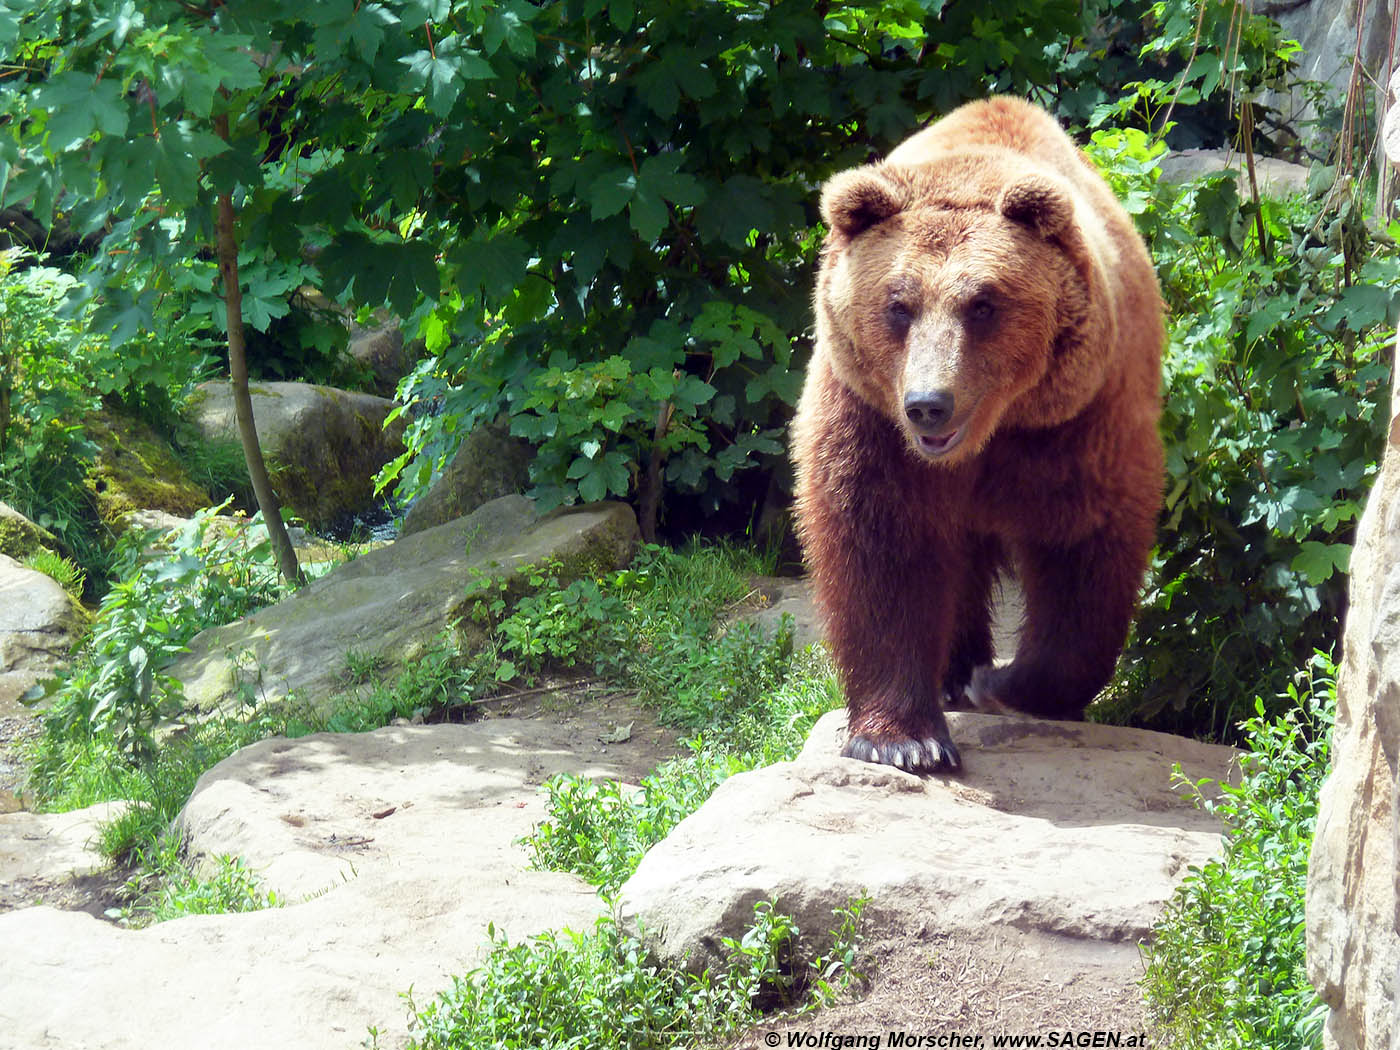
(935, 753)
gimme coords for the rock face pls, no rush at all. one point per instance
(1329, 34)
(406, 837)
(1353, 905)
(1069, 829)
(41, 852)
(324, 445)
(39, 623)
(489, 464)
(394, 602)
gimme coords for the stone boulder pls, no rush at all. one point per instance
(488, 464)
(1067, 829)
(20, 537)
(135, 469)
(39, 625)
(393, 849)
(379, 350)
(1353, 902)
(395, 602)
(1274, 177)
(323, 445)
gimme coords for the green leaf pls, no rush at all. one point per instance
(648, 215)
(611, 192)
(80, 108)
(493, 262)
(509, 25)
(1318, 561)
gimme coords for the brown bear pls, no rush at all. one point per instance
(985, 392)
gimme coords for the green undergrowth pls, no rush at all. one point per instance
(598, 989)
(1226, 968)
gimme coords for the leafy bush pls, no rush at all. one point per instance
(1226, 968)
(597, 989)
(1277, 374)
(636, 232)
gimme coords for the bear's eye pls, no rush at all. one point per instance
(982, 309)
(899, 315)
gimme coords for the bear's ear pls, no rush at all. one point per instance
(856, 200)
(1039, 202)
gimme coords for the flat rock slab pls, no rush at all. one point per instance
(40, 853)
(405, 837)
(1070, 829)
(394, 602)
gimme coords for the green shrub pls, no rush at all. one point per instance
(598, 989)
(1226, 967)
(1276, 375)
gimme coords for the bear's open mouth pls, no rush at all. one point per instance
(935, 445)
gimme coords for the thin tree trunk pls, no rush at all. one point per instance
(242, 399)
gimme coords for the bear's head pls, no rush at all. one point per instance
(953, 293)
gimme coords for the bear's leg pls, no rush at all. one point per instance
(972, 620)
(888, 612)
(1079, 604)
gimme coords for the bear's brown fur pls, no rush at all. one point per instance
(985, 390)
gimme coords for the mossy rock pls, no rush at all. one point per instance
(20, 537)
(135, 469)
(394, 603)
(323, 445)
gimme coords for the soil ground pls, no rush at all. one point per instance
(929, 990)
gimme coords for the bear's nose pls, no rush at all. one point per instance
(928, 410)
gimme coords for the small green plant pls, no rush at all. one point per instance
(58, 568)
(598, 989)
(1226, 968)
(165, 887)
(601, 830)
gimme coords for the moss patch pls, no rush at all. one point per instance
(20, 537)
(136, 470)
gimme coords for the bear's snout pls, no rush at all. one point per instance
(928, 410)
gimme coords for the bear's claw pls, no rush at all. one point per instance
(932, 754)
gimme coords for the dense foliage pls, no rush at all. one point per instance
(1226, 968)
(1281, 317)
(602, 215)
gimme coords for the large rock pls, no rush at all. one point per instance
(488, 464)
(379, 350)
(393, 603)
(1274, 177)
(1069, 829)
(39, 624)
(1353, 903)
(394, 849)
(1329, 34)
(135, 469)
(324, 445)
(20, 537)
